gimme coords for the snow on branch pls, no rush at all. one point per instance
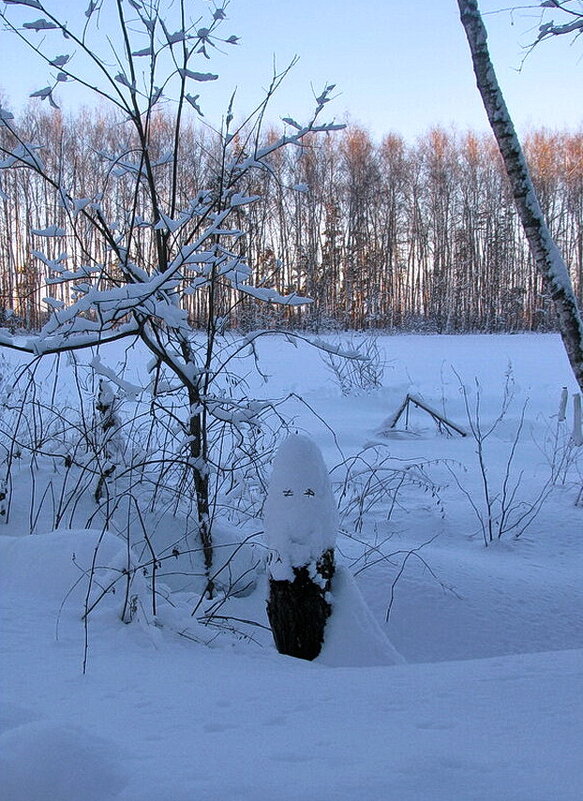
(131, 391)
(550, 29)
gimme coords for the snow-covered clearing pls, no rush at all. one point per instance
(487, 702)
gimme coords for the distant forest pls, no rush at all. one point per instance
(388, 235)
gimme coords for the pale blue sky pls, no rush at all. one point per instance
(399, 65)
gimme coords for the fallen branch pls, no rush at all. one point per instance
(443, 424)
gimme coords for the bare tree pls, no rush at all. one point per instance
(424, 234)
(158, 245)
(545, 252)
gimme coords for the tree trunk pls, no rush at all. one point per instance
(548, 259)
(298, 610)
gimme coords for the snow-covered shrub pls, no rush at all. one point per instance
(109, 443)
(358, 366)
(5, 429)
(3, 494)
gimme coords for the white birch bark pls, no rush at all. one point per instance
(546, 254)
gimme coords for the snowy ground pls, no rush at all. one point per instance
(487, 703)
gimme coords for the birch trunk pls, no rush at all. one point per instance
(546, 254)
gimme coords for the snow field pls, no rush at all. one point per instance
(487, 705)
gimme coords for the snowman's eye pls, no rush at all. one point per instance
(288, 492)
(309, 492)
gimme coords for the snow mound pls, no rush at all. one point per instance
(300, 515)
(44, 761)
(353, 638)
(13, 715)
(243, 561)
(56, 569)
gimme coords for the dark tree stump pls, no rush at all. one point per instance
(298, 610)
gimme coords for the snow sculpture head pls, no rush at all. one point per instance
(300, 515)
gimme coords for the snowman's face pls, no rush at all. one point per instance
(300, 510)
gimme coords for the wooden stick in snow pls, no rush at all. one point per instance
(440, 420)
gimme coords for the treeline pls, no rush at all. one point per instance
(390, 234)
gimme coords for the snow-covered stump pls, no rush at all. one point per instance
(301, 521)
